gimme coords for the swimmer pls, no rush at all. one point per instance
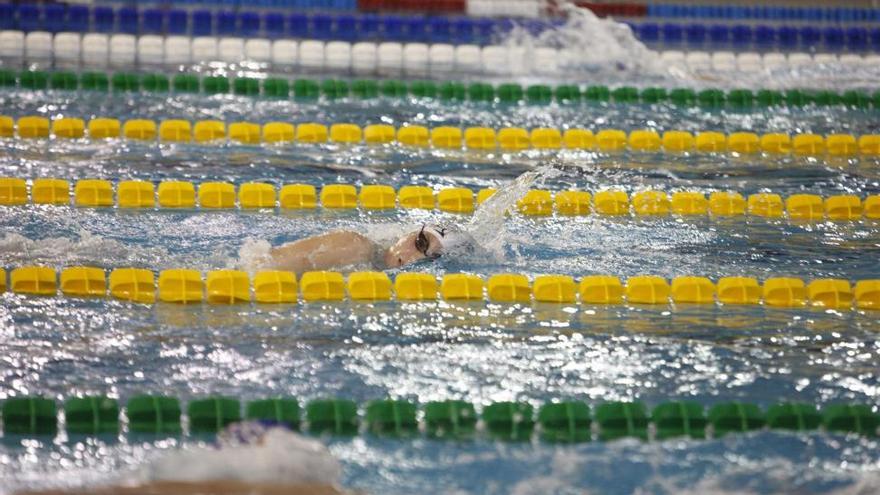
(250, 458)
(340, 249)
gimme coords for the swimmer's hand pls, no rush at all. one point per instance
(329, 251)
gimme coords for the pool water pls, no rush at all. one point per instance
(482, 352)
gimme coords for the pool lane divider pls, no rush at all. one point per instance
(441, 22)
(305, 90)
(228, 286)
(304, 54)
(511, 139)
(135, 195)
(568, 421)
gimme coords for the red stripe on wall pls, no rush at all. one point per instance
(427, 6)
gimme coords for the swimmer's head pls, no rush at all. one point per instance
(425, 243)
(429, 242)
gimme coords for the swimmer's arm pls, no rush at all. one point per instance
(324, 252)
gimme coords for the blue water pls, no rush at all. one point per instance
(480, 352)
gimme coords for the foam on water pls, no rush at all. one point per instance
(253, 255)
(91, 249)
(87, 249)
(836, 76)
(738, 475)
(732, 481)
(600, 46)
(276, 457)
(600, 49)
(281, 456)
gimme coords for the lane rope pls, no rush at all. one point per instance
(368, 57)
(144, 195)
(304, 89)
(148, 43)
(555, 421)
(485, 139)
(226, 286)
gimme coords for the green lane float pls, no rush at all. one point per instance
(555, 422)
(91, 415)
(303, 89)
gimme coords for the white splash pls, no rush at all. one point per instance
(254, 255)
(736, 475)
(591, 45)
(281, 457)
(488, 226)
(603, 50)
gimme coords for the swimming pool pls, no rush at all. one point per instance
(480, 351)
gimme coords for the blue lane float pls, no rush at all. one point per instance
(764, 12)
